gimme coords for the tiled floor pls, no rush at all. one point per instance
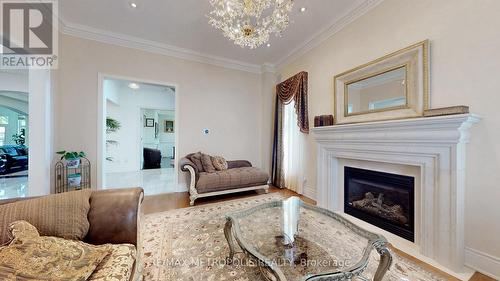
(156, 181)
(12, 187)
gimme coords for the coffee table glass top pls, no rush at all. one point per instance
(292, 240)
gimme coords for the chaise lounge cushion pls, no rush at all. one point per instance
(196, 159)
(231, 179)
(219, 163)
(206, 161)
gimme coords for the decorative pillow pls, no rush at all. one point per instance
(219, 163)
(33, 257)
(206, 161)
(118, 265)
(62, 215)
(22, 230)
(196, 159)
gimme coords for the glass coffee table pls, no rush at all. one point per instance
(290, 240)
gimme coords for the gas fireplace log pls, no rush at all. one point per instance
(376, 206)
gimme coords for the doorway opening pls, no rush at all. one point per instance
(140, 135)
(14, 133)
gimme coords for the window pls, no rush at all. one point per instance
(293, 150)
(21, 124)
(2, 135)
(4, 120)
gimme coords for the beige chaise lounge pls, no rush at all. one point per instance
(239, 176)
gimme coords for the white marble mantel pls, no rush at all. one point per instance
(436, 144)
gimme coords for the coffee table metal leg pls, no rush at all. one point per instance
(385, 262)
(229, 237)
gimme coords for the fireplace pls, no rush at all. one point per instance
(382, 199)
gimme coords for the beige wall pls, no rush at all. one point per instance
(465, 68)
(228, 102)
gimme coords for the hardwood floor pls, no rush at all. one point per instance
(171, 201)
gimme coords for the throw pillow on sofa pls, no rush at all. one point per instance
(206, 161)
(33, 257)
(196, 159)
(219, 163)
(63, 215)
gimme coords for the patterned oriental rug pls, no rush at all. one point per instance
(189, 245)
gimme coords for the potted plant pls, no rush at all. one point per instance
(20, 139)
(72, 158)
(112, 126)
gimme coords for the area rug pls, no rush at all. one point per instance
(189, 245)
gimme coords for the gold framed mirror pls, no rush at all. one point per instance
(392, 87)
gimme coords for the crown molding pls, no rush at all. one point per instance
(122, 40)
(133, 42)
(268, 68)
(326, 33)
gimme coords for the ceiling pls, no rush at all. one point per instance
(182, 26)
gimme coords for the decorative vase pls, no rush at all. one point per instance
(74, 180)
(73, 163)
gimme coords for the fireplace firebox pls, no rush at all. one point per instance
(382, 199)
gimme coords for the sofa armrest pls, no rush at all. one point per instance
(114, 216)
(238, 164)
(185, 161)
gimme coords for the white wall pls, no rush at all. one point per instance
(465, 64)
(14, 81)
(127, 106)
(228, 102)
(42, 86)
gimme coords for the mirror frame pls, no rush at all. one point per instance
(414, 58)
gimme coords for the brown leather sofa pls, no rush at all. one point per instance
(114, 218)
(239, 176)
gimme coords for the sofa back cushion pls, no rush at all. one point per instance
(10, 150)
(62, 215)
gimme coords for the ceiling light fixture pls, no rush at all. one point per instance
(249, 23)
(303, 9)
(133, 5)
(268, 45)
(134, 86)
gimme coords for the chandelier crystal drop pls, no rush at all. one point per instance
(249, 23)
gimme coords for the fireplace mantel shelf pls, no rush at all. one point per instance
(434, 144)
(443, 128)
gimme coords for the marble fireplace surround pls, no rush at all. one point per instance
(437, 145)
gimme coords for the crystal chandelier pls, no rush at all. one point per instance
(250, 22)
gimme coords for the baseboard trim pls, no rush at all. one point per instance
(483, 262)
(310, 193)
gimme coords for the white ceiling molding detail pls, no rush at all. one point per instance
(324, 34)
(86, 32)
(153, 47)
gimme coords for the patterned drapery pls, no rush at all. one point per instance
(294, 88)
